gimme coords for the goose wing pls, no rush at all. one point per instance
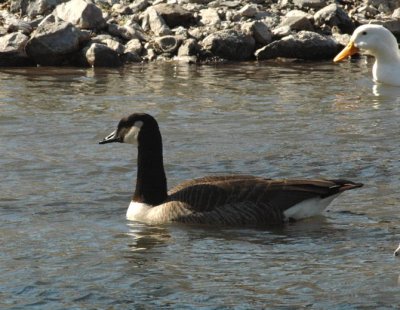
(240, 198)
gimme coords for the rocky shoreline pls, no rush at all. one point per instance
(110, 33)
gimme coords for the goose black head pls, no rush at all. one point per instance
(130, 129)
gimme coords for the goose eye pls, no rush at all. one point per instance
(364, 33)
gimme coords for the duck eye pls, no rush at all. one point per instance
(364, 33)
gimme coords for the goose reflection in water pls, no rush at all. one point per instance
(146, 237)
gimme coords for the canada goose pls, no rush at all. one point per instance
(216, 200)
(377, 41)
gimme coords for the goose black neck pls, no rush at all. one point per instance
(151, 182)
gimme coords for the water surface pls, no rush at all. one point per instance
(67, 245)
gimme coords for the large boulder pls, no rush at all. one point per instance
(35, 7)
(153, 21)
(80, 13)
(12, 50)
(53, 44)
(259, 31)
(334, 15)
(100, 55)
(303, 45)
(174, 15)
(297, 20)
(229, 44)
(209, 16)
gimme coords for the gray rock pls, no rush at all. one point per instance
(121, 9)
(11, 23)
(134, 46)
(334, 15)
(303, 45)
(259, 31)
(19, 6)
(80, 13)
(312, 4)
(167, 44)
(139, 5)
(297, 23)
(12, 50)
(209, 16)
(281, 32)
(110, 42)
(396, 13)
(53, 44)
(249, 10)
(384, 6)
(129, 57)
(189, 47)
(14, 42)
(153, 21)
(174, 15)
(126, 32)
(100, 55)
(230, 45)
(41, 7)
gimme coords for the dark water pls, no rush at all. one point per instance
(67, 245)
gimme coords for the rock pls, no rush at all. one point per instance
(110, 42)
(21, 26)
(126, 32)
(100, 55)
(121, 9)
(190, 47)
(312, 4)
(174, 15)
(19, 6)
(297, 23)
(259, 31)
(134, 46)
(167, 44)
(209, 16)
(396, 13)
(303, 45)
(249, 10)
(281, 32)
(12, 50)
(341, 39)
(129, 57)
(153, 21)
(139, 5)
(334, 15)
(53, 44)
(230, 45)
(13, 24)
(80, 13)
(41, 7)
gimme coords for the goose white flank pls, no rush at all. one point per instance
(377, 41)
(237, 200)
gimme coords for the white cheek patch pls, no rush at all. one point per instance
(133, 133)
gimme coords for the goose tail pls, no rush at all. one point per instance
(345, 185)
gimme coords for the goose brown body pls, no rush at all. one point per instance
(217, 200)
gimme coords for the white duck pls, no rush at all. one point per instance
(377, 41)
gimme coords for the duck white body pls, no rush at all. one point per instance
(377, 41)
(237, 200)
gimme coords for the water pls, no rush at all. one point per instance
(67, 245)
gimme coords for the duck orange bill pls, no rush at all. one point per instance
(349, 50)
